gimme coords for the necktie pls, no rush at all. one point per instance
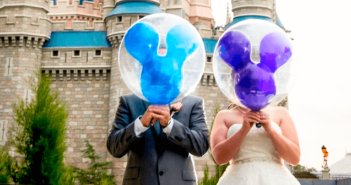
(157, 128)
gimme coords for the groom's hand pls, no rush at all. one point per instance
(161, 113)
(147, 118)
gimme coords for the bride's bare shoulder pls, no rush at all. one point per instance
(279, 110)
(227, 117)
(279, 114)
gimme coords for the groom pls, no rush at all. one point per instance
(158, 145)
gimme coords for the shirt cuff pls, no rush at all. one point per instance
(167, 130)
(139, 128)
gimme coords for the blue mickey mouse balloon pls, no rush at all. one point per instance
(162, 58)
(253, 64)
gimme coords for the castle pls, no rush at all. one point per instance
(77, 41)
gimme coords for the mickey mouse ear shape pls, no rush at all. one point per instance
(181, 43)
(235, 48)
(141, 41)
(275, 51)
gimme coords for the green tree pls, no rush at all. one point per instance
(5, 165)
(97, 172)
(207, 180)
(40, 136)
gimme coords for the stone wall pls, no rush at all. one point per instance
(17, 64)
(88, 103)
(87, 57)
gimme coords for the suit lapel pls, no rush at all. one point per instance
(146, 104)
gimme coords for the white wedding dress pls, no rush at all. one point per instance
(257, 162)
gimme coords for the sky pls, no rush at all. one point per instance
(320, 101)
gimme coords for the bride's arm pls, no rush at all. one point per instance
(223, 149)
(287, 143)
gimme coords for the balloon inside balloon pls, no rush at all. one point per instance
(252, 64)
(162, 58)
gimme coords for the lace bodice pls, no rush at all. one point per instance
(257, 146)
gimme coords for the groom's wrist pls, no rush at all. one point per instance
(168, 123)
(168, 128)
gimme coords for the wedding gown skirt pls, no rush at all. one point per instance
(256, 162)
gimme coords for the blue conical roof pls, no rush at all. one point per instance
(136, 7)
(242, 18)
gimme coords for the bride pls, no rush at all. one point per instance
(255, 154)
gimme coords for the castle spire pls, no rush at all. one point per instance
(228, 15)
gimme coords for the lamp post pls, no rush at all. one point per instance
(325, 171)
(325, 162)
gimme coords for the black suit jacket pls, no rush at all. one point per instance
(155, 158)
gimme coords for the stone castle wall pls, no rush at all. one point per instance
(87, 57)
(17, 64)
(88, 103)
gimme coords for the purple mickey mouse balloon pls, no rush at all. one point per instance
(252, 64)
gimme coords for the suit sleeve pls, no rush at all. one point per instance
(194, 138)
(122, 135)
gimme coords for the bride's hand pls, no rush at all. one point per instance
(265, 121)
(249, 119)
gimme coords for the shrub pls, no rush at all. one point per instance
(40, 136)
(97, 172)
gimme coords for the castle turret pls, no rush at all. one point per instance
(24, 28)
(197, 12)
(252, 8)
(76, 14)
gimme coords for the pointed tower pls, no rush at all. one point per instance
(197, 12)
(248, 9)
(24, 28)
(229, 19)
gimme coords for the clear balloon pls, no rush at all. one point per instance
(162, 58)
(253, 64)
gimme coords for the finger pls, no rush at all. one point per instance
(256, 114)
(253, 119)
(159, 107)
(161, 113)
(155, 109)
(157, 116)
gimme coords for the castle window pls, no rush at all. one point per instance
(76, 53)
(209, 59)
(55, 53)
(119, 19)
(98, 53)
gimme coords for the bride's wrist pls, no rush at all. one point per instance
(245, 129)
